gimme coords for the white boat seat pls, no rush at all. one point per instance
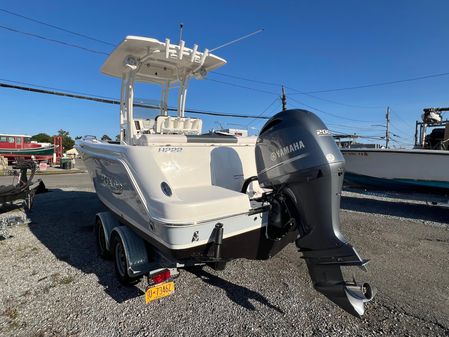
(149, 139)
(201, 203)
(178, 125)
(143, 125)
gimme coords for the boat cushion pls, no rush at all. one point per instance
(201, 203)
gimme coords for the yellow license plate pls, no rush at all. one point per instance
(159, 291)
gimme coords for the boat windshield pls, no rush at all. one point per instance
(146, 108)
(27, 140)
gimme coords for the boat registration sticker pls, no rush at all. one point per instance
(159, 291)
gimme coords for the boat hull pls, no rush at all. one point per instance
(252, 245)
(123, 177)
(413, 170)
(36, 151)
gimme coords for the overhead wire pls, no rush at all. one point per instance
(341, 103)
(56, 27)
(331, 114)
(56, 89)
(67, 44)
(398, 129)
(213, 80)
(264, 111)
(294, 90)
(378, 84)
(219, 73)
(339, 133)
(242, 86)
(408, 124)
(297, 101)
(351, 127)
(117, 102)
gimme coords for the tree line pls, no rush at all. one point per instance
(67, 141)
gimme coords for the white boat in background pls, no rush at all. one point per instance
(424, 168)
(179, 198)
(398, 169)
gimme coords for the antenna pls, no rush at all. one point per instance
(181, 28)
(284, 99)
(239, 39)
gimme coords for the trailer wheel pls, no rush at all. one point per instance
(121, 262)
(101, 240)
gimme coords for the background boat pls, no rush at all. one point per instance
(14, 147)
(423, 168)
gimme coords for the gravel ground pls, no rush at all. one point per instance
(53, 283)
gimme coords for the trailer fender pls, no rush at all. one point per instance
(108, 222)
(135, 251)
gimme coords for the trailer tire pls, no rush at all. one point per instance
(101, 240)
(121, 264)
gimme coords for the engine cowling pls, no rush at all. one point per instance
(298, 159)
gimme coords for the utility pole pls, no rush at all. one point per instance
(387, 130)
(284, 99)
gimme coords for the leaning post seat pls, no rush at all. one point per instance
(178, 125)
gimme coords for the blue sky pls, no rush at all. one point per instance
(306, 45)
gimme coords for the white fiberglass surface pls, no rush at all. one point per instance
(399, 164)
(205, 180)
(162, 61)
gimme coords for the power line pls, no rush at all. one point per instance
(247, 79)
(232, 84)
(242, 86)
(331, 114)
(378, 84)
(264, 111)
(405, 123)
(53, 40)
(370, 85)
(339, 133)
(294, 90)
(351, 127)
(56, 27)
(218, 73)
(56, 89)
(117, 102)
(302, 103)
(340, 103)
(399, 130)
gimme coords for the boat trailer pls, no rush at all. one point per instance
(25, 189)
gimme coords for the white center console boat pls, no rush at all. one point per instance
(179, 198)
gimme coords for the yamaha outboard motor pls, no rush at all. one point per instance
(298, 159)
